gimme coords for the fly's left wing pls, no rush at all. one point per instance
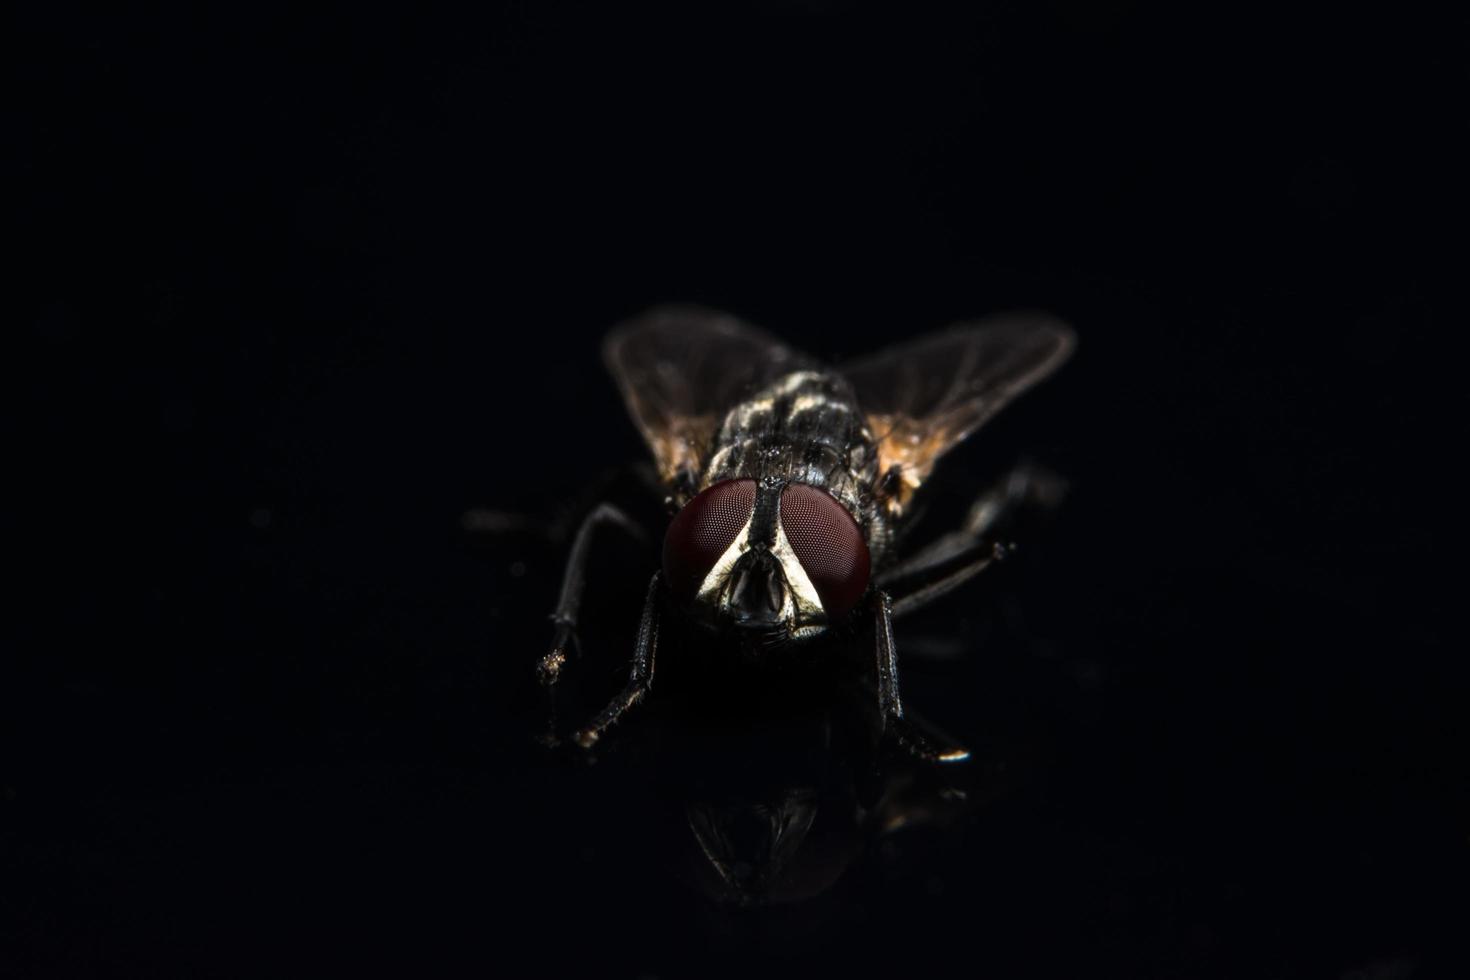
(923, 398)
(680, 368)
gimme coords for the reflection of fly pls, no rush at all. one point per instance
(791, 481)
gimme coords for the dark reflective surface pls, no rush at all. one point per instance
(758, 787)
(777, 810)
(296, 293)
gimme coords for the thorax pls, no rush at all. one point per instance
(804, 427)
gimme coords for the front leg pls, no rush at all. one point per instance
(890, 704)
(573, 583)
(640, 677)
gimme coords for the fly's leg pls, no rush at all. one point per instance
(573, 582)
(943, 578)
(937, 570)
(896, 727)
(640, 677)
(955, 558)
(1027, 486)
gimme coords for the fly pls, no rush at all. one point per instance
(791, 483)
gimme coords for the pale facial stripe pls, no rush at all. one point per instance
(803, 606)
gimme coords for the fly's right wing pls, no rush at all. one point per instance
(680, 369)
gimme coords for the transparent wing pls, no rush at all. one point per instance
(680, 368)
(922, 399)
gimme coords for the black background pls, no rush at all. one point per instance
(295, 293)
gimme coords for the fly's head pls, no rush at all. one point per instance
(775, 561)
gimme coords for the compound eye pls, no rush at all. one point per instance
(829, 545)
(703, 531)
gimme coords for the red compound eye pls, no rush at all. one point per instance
(829, 544)
(702, 531)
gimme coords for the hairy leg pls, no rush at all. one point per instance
(890, 703)
(640, 677)
(573, 583)
(958, 556)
